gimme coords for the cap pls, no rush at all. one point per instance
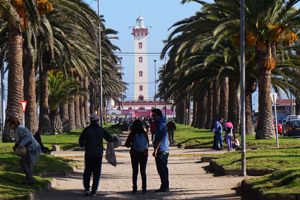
(94, 117)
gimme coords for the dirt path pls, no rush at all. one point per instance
(189, 179)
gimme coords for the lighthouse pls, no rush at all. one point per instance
(140, 33)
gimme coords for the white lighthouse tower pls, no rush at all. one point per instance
(140, 60)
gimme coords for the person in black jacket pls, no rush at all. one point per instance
(92, 139)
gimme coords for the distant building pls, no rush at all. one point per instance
(283, 108)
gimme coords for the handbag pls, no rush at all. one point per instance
(21, 151)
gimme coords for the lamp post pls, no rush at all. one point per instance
(165, 43)
(100, 67)
(155, 83)
(242, 78)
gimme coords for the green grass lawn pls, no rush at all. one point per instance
(11, 173)
(286, 159)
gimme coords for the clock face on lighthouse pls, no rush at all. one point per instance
(140, 33)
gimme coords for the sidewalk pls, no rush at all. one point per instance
(189, 178)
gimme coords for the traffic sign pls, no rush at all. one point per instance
(24, 103)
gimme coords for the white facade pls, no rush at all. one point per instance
(140, 60)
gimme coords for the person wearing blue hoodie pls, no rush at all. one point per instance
(161, 149)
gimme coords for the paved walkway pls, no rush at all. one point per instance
(189, 178)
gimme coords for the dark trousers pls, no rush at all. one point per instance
(25, 163)
(161, 164)
(92, 165)
(135, 161)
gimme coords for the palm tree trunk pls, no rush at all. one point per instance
(56, 122)
(224, 95)
(233, 107)
(64, 115)
(15, 79)
(195, 107)
(249, 119)
(29, 92)
(188, 110)
(202, 109)
(180, 110)
(209, 108)
(86, 101)
(251, 87)
(216, 102)
(72, 115)
(82, 112)
(77, 113)
(265, 126)
(44, 119)
(92, 98)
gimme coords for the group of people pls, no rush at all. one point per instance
(92, 139)
(230, 138)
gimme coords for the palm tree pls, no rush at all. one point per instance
(268, 23)
(61, 91)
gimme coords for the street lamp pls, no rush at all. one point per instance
(165, 43)
(100, 67)
(155, 83)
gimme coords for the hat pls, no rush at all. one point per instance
(94, 117)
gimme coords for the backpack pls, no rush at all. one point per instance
(228, 130)
(140, 143)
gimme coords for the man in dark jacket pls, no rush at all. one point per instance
(171, 127)
(161, 149)
(92, 139)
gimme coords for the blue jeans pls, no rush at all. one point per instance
(219, 139)
(161, 165)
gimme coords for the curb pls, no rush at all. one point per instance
(259, 195)
(250, 172)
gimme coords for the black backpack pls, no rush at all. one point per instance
(228, 130)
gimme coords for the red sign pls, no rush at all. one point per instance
(24, 103)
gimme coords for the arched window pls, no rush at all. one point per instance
(141, 88)
(129, 108)
(140, 59)
(141, 98)
(141, 108)
(140, 45)
(140, 74)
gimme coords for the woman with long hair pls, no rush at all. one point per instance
(138, 157)
(24, 138)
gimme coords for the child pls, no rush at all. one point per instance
(235, 143)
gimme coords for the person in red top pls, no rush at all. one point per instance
(152, 129)
(137, 157)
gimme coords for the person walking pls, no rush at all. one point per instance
(24, 138)
(152, 129)
(92, 139)
(138, 156)
(161, 149)
(171, 127)
(228, 134)
(218, 134)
